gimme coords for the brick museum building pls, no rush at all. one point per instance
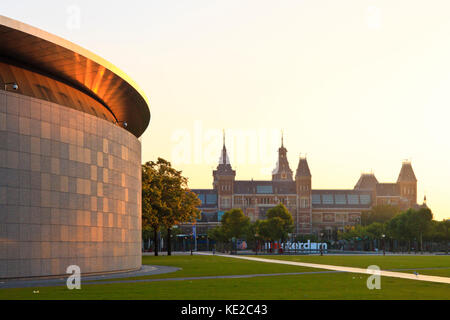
(313, 210)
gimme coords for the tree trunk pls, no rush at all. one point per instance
(446, 241)
(155, 240)
(421, 244)
(169, 248)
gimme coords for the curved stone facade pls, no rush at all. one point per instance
(70, 191)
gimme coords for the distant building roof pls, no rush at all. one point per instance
(282, 171)
(303, 168)
(224, 166)
(406, 173)
(367, 181)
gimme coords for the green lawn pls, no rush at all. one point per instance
(317, 286)
(310, 286)
(202, 265)
(384, 262)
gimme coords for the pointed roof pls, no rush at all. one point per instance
(367, 181)
(282, 170)
(223, 155)
(303, 168)
(406, 173)
(423, 205)
(224, 167)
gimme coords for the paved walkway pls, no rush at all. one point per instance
(146, 270)
(385, 273)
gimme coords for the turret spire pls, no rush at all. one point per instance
(224, 170)
(282, 171)
(223, 132)
(224, 150)
(224, 160)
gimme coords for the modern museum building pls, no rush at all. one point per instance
(70, 158)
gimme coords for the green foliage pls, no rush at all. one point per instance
(253, 232)
(272, 229)
(235, 224)
(375, 230)
(439, 230)
(353, 232)
(217, 234)
(286, 221)
(166, 200)
(379, 213)
(412, 224)
(173, 231)
(419, 221)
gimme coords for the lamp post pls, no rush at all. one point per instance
(384, 244)
(321, 247)
(358, 221)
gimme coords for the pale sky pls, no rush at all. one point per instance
(357, 85)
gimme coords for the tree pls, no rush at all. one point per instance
(272, 229)
(218, 235)
(409, 225)
(446, 231)
(254, 233)
(286, 221)
(379, 213)
(435, 232)
(183, 210)
(152, 207)
(397, 228)
(235, 224)
(166, 200)
(374, 231)
(352, 233)
(418, 222)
